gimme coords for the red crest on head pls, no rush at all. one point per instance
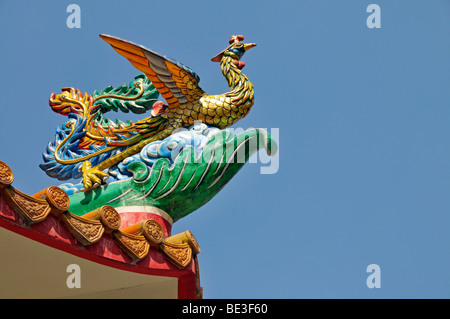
(236, 38)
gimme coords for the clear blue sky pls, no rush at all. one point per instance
(364, 125)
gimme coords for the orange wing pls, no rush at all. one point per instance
(177, 83)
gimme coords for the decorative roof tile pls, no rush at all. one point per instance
(97, 233)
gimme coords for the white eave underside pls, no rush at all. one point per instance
(29, 269)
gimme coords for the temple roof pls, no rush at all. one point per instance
(96, 238)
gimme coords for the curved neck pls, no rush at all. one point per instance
(241, 89)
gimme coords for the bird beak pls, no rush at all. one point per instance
(248, 46)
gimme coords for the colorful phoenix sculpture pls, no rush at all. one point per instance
(174, 160)
(126, 183)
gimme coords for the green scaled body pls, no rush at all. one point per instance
(181, 188)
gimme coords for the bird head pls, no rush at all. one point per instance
(235, 50)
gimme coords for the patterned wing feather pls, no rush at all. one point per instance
(177, 83)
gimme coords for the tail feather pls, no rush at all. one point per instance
(88, 135)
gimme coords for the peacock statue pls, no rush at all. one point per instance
(90, 144)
